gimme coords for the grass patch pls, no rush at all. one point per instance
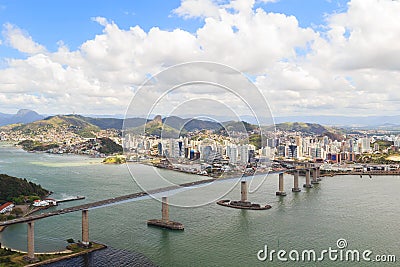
(10, 258)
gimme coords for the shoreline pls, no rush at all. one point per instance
(233, 175)
(66, 251)
(62, 255)
(15, 145)
(69, 256)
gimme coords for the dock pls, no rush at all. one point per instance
(242, 205)
(166, 224)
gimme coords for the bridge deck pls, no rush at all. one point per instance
(103, 202)
(115, 200)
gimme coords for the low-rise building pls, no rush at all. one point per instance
(40, 203)
(51, 201)
(7, 207)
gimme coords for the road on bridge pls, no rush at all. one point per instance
(105, 202)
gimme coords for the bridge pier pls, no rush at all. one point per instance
(318, 174)
(31, 243)
(296, 182)
(85, 228)
(243, 203)
(307, 184)
(281, 191)
(164, 210)
(314, 175)
(165, 222)
(243, 191)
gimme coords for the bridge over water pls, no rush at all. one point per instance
(106, 202)
(113, 201)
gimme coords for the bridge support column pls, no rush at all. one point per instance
(296, 182)
(281, 192)
(243, 191)
(318, 174)
(307, 184)
(164, 210)
(165, 222)
(31, 242)
(85, 227)
(314, 175)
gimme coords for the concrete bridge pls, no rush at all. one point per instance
(86, 207)
(85, 213)
(310, 171)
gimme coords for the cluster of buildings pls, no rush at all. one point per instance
(207, 146)
(322, 148)
(185, 149)
(47, 202)
(285, 145)
(66, 139)
(9, 206)
(334, 151)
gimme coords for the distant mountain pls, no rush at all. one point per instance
(239, 126)
(103, 123)
(190, 124)
(308, 128)
(155, 127)
(116, 121)
(134, 122)
(115, 116)
(365, 122)
(22, 116)
(112, 123)
(172, 126)
(4, 115)
(346, 121)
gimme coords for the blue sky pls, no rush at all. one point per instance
(49, 21)
(58, 56)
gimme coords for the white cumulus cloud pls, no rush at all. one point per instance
(197, 8)
(19, 40)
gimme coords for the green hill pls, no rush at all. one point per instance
(30, 145)
(12, 188)
(108, 146)
(72, 123)
(83, 122)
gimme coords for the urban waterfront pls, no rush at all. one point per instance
(360, 210)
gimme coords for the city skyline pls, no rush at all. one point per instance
(328, 58)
